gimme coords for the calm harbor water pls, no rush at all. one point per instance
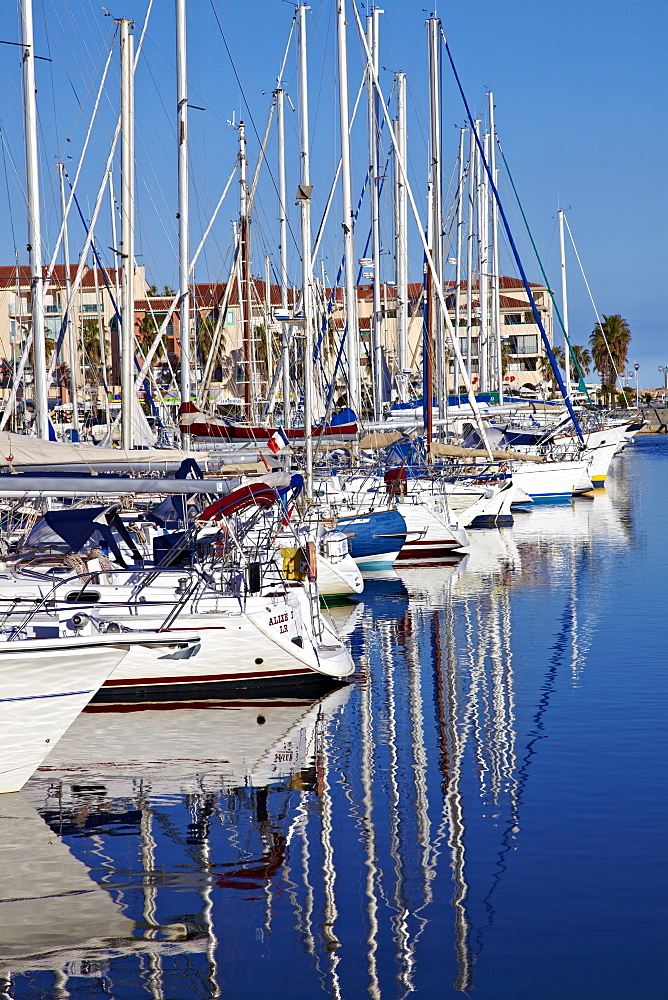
(483, 812)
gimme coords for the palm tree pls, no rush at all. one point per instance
(145, 332)
(609, 349)
(90, 338)
(583, 358)
(206, 329)
(545, 365)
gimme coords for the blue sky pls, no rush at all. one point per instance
(580, 93)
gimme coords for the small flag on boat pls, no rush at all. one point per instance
(278, 441)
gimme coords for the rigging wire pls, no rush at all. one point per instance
(582, 387)
(601, 328)
(525, 281)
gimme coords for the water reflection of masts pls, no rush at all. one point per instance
(503, 693)
(575, 643)
(451, 759)
(400, 921)
(304, 915)
(406, 945)
(147, 848)
(332, 943)
(367, 774)
(205, 810)
(537, 733)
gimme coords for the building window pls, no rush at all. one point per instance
(239, 373)
(89, 307)
(230, 317)
(52, 327)
(474, 346)
(512, 319)
(527, 344)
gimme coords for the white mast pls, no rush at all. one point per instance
(245, 300)
(496, 304)
(374, 205)
(434, 41)
(352, 342)
(34, 228)
(401, 253)
(71, 340)
(283, 230)
(483, 273)
(112, 206)
(184, 249)
(564, 304)
(103, 346)
(458, 265)
(304, 198)
(127, 233)
(469, 255)
(267, 319)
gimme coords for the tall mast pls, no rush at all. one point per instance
(283, 230)
(496, 302)
(304, 199)
(469, 253)
(71, 337)
(112, 206)
(184, 248)
(564, 304)
(374, 204)
(103, 346)
(127, 233)
(458, 264)
(246, 304)
(34, 228)
(435, 180)
(267, 319)
(352, 341)
(401, 253)
(483, 271)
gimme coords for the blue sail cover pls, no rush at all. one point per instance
(175, 511)
(81, 530)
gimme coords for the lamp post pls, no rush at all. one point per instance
(664, 371)
(636, 366)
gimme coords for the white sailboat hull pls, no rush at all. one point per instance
(553, 480)
(45, 686)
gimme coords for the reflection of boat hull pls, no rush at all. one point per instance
(228, 745)
(48, 901)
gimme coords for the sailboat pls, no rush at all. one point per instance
(193, 421)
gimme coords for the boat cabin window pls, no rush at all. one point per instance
(83, 597)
